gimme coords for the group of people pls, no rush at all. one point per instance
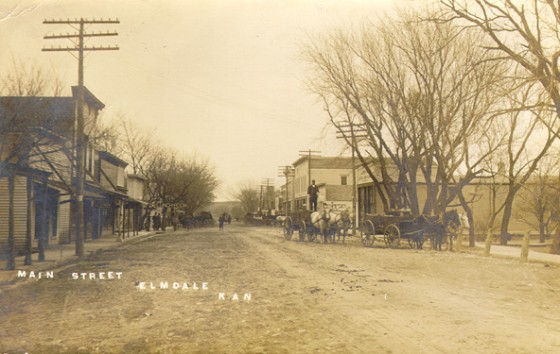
(156, 221)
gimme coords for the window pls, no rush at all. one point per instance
(120, 177)
(344, 180)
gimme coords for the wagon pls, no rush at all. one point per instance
(393, 227)
(300, 221)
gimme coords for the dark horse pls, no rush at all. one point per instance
(438, 228)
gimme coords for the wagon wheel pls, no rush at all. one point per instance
(368, 233)
(392, 236)
(288, 228)
(416, 240)
(302, 230)
(311, 234)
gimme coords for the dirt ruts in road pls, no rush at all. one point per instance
(425, 301)
(303, 298)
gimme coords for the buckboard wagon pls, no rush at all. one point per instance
(400, 224)
(300, 221)
(393, 227)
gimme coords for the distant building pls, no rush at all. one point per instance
(333, 176)
(484, 195)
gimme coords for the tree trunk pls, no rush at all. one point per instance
(488, 243)
(412, 192)
(431, 193)
(555, 247)
(508, 205)
(470, 217)
(542, 227)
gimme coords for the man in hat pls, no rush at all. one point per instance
(313, 192)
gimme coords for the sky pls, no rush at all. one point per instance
(222, 80)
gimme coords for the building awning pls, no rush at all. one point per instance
(125, 198)
(116, 194)
(93, 195)
(136, 201)
(7, 169)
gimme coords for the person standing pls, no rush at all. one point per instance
(221, 220)
(155, 222)
(174, 221)
(313, 192)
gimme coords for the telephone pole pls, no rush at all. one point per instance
(350, 132)
(267, 183)
(259, 190)
(286, 171)
(81, 48)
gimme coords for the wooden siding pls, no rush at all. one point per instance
(57, 158)
(20, 213)
(64, 223)
(110, 171)
(338, 193)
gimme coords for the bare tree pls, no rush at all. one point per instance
(539, 196)
(248, 196)
(423, 92)
(524, 151)
(29, 80)
(172, 179)
(135, 145)
(526, 33)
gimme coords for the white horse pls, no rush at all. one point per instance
(320, 222)
(339, 223)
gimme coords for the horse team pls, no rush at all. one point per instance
(330, 224)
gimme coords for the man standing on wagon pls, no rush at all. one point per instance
(313, 192)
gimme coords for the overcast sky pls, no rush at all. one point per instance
(221, 79)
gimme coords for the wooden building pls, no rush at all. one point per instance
(37, 175)
(333, 176)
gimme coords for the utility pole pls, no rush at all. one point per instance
(266, 182)
(309, 153)
(80, 47)
(350, 132)
(286, 171)
(259, 190)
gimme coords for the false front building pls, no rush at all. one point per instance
(38, 175)
(333, 176)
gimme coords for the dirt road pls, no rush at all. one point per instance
(258, 293)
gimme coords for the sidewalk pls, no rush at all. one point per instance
(59, 255)
(515, 252)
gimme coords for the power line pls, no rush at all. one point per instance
(286, 171)
(80, 47)
(350, 132)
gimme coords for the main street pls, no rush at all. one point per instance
(248, 290)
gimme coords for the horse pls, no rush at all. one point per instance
(339, 223)
(280, 219)
(320, 222)
(438, 228)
